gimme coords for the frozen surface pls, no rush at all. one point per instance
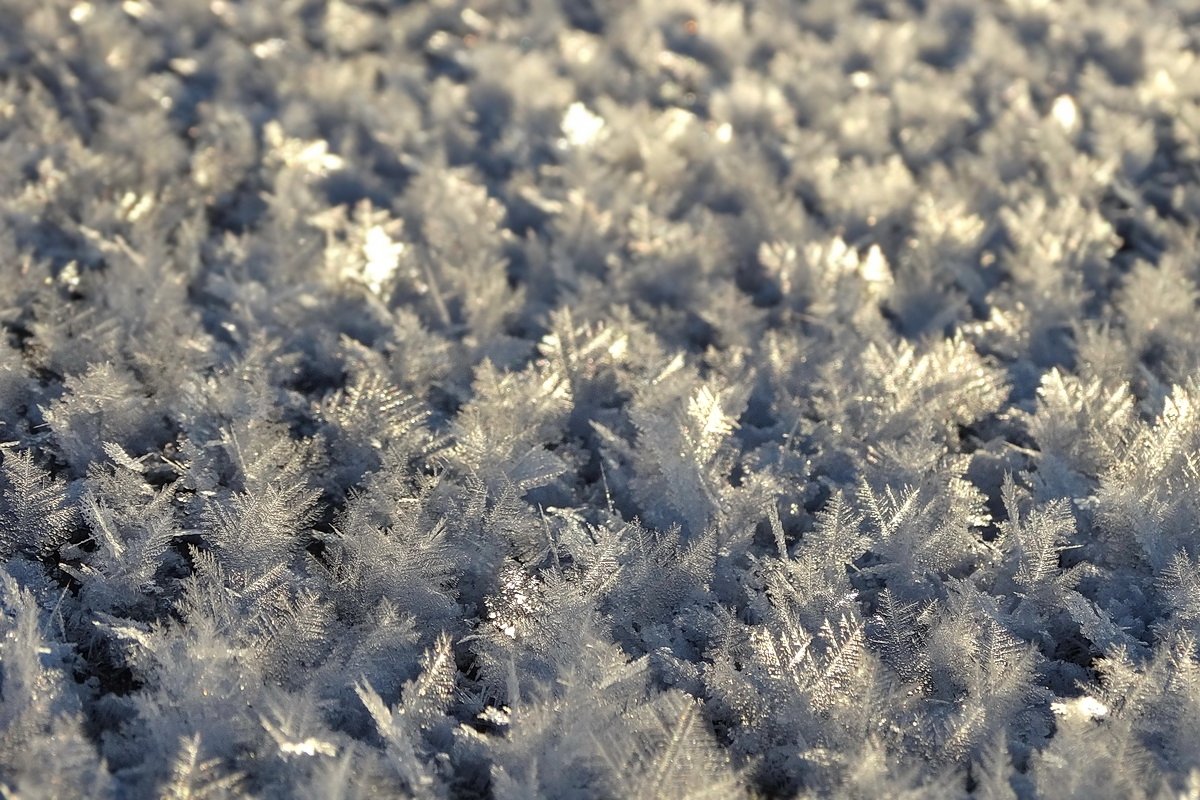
(525, 399)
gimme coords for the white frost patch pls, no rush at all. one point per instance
(1164, 85)
(1085, 707)
(861, 80)
(309, 747)
(1065, 113)
(710, 419)
(383, 257)
(580, 126)
(675, 123)
(874, 268)
(268, 48)
(136, 9)
(313, 157)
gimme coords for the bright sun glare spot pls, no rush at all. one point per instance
(1065, 113)
(580, 125)
(874, 267)
(383, 256)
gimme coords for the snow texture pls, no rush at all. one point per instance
(562, 399)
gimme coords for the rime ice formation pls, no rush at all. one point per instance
(599, 399)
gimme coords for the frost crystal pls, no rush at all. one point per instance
(1065, 113)
(382, 258)
(580, 125)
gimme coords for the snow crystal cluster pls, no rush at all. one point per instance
(562, 399)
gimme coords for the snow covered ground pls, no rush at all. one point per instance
(563, 399)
